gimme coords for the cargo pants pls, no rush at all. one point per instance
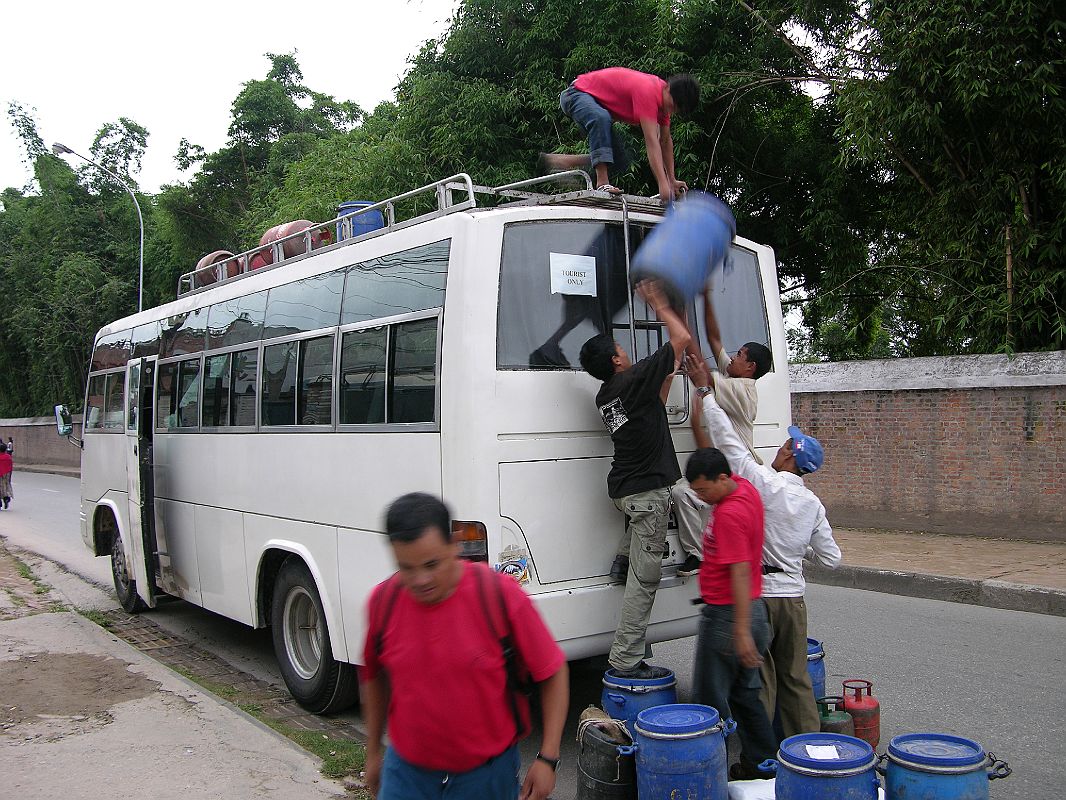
(644, 543)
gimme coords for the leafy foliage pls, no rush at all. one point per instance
(906, 161)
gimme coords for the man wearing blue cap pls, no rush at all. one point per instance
(795, 528)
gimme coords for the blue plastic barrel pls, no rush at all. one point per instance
(939, 766)
(624, 698)
(827, 766)
(816, 667)
(687, 246)
(681, 752)
(361, 223)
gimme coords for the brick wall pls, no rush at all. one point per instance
(37, 442)
(962, 445)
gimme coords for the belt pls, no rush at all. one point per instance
(768, 569)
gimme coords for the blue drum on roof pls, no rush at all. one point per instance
(826, 766)
(624, 698)
(939, 766)
(355, 223)
(681, 752)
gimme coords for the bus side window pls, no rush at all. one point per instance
(216, 391)
(189, 393)
(414, 371)
(165, 396)
(362, 389)
(94, 404)
(114, 401)
(279, 384)
(315, 397)
(244, 382)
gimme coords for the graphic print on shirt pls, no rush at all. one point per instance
(614, 415)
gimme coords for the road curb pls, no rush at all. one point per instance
(49, 469)
(990, 593)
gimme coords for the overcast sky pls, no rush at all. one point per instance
(175, 68)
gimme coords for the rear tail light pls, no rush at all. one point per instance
(473, 539)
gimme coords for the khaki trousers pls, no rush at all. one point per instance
(644, 541)
(785, 680)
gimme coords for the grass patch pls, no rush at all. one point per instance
(23, 569)
(340, 757)
(17, 599)
(98, 617)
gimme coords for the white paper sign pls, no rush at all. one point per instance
(573, 274)
(823, 752)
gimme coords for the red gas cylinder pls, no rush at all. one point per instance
(209, 276)
(864, 709)
(293, 247)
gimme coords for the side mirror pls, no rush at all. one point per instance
(64, 423)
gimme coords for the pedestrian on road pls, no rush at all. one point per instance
(796, 528)
(733, 631)
(449, 647)
(6, 468)
(734, 388)
(594, 100)
(643, 470)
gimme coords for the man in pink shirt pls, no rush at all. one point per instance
(598, 98)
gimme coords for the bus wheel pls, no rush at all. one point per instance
(125, 587)
(316, 680)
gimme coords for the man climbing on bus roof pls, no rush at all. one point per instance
(643, 470)
(450, 649)
(595, 99)
(795, 528)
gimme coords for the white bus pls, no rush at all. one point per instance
(241, 443)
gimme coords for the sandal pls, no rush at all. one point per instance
(609, 188)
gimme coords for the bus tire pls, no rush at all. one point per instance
(316, 680)
(125, 586)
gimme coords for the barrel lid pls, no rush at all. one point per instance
(825, 751)
(611, 678)
(814, 648)
(936, 749)
(677, 718)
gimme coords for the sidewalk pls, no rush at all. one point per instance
(1000, 573)
(100, 714)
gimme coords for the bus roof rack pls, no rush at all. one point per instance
(452, 194)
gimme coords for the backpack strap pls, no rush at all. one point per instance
(391, 589)
(515, 685)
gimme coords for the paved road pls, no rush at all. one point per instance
(994, 676)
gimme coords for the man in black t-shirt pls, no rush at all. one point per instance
(643, 470)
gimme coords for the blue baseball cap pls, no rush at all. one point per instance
(807, 450)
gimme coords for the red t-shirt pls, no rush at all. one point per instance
(735, 534)
(629, 95)
(448, 706)
(6, 463)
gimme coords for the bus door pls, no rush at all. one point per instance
(140, 374)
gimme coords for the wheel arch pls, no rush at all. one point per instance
(273, 555)
(106, 525)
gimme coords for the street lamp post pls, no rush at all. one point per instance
(62, 149)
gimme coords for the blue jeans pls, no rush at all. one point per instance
(605, 147)
(722, 682)
(496, 778)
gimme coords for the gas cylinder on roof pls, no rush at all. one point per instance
(833, 717)
(293, 247)
(208, 276)
(864, 709)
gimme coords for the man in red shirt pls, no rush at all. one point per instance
(734, 630)
(594, 100)
(445, 642)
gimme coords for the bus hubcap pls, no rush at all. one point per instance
(303, 633)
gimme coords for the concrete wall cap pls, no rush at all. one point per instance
(940, 372)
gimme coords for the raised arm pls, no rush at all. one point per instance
(654, 146)
(724, 435)
(714, 334)
(676, 328)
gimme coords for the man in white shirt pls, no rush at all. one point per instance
(796, 527)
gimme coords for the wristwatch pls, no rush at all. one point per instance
(703, 391)
(551, 762)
